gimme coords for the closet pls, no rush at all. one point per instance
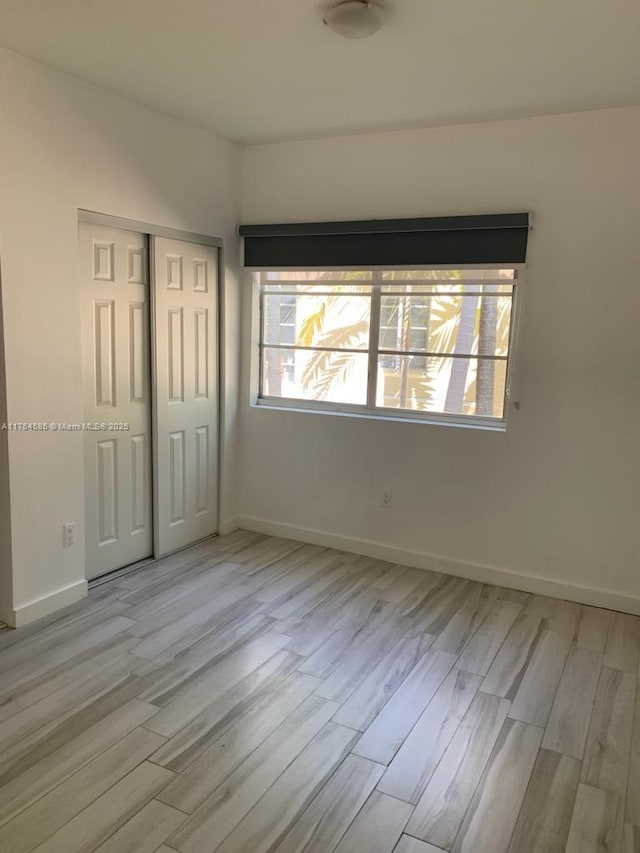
(149, 313)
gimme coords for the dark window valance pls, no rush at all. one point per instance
(446, 240)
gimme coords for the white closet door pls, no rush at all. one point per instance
(114, 273)
(186, 388)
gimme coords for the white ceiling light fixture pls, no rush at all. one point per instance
(355, 19)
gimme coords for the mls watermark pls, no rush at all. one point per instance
(58, 426)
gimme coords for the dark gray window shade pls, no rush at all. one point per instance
(446, 241)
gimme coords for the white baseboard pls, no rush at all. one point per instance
(472, 571)
(228, 526)
(39, 607)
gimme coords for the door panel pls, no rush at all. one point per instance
(186, 386)
(115, 344)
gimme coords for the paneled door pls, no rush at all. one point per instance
(186, 392)
(114, 272)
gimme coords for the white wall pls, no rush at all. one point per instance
(64, 145)
(557, 496)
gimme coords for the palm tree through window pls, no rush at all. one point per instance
(435, 342)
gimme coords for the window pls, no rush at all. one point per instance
(424, 343)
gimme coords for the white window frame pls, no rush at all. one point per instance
(370, 410)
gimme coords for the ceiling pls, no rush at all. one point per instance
(257, 70)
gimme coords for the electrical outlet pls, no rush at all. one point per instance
(68, 534)
(387, 497)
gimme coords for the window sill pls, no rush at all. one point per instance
(293, 406)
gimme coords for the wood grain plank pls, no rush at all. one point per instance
(261, 826)
(267, 551)
(16, 757)
(384, 737)
(40, 820)
(55, 654)
(148, 828)
(31, 646)
(185, 746)
(48, 630)
(402, 586)
(439, 814)
(632, 804)
(545, 817)
(517, 596)
(341, 615)
(223, 810)
(265, 572)
(235, 743)
(571, 712)
(363, 656)
(532, 703)
(242, 671)
(168, 675)
(165, 626)
(606, 757)
(466, 620)
(308, 595)
(378, 827)
(435, 606)
(370, 697)
(623, 643)
(224, 639)
(492, 815)
(258, 688)
(559, 615)
(202, 691)
(481, 649)
(82, 698)
(294, 581)
(165, 639)
(57, 765)
(593, 628)
(15, 698)
(410, 771)
(171, 569)
(109, 812)
(388, 576)
(348, 606)
(208, 576)
(407, 844)
(350, 639)
(511, 662)
(596, 826)
(323, 823)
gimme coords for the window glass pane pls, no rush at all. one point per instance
(404, 322)
(456, 386)
(447, 323)
(314, 281)
(335, 376)
(334, 320)
(454, 280)
(435, 327)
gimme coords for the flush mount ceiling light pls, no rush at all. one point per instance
(355, 19)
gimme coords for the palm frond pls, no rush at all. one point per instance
(311, 325)
(345, 336)
(320, 361)
(427, 392)
(324, 369)
(445, 320)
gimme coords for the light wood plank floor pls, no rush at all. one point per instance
(256, 695)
